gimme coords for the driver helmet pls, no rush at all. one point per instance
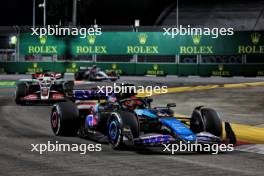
(112, 98)
(127, 94)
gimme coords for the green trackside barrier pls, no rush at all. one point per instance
(253, 70)
(2, 70)
(187, 69)
(156, 69)
(121, 68)
(139, 68)
(227, 70)
(220, 70)
(31, 67)
(209, 70)
(12, 67)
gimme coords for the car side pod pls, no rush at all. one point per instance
(179, 130)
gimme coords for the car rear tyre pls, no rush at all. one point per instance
(65, 119)
(21, 91)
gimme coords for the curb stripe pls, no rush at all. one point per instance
(7, 83)
(252, 148)
(248, 134)
(206, 87)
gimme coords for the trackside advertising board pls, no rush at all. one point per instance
(45, 45)
(143, 43)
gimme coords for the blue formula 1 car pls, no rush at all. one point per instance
(132, 121)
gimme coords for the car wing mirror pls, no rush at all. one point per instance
(170, 105)
(149, 101)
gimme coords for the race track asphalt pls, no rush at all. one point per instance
(21, 126)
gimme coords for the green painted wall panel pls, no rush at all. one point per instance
(187, 69)
(140, 68)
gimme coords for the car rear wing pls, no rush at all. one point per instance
(47, 74)
(91, 94)
(85, 68)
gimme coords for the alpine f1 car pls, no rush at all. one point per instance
(132, 121)
(43, 88)
(95, 74)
